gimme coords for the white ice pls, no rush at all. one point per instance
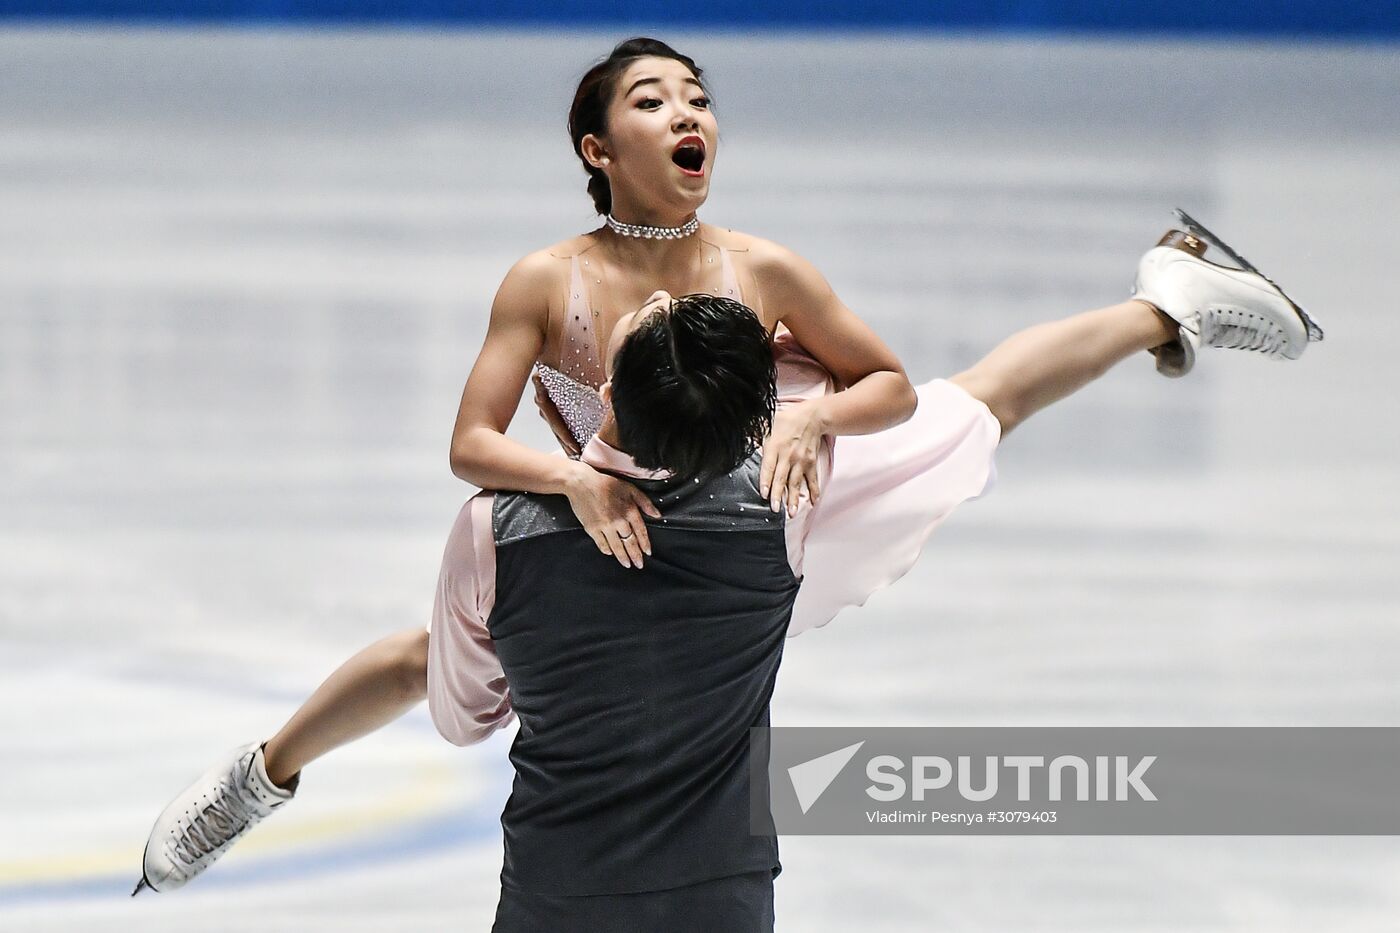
(243, 275)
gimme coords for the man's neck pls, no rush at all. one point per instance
(608, 433)
(603, 453)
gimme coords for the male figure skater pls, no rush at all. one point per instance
(635, 692)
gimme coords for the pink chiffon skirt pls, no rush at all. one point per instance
(886, 492)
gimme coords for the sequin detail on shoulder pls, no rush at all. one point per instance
(578, 403)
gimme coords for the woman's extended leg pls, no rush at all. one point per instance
(1183, 302)
(367, 692)
(372, 689)
(1045, 363)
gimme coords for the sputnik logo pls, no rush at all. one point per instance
(811, 778)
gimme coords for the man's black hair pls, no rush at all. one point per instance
(694, 388)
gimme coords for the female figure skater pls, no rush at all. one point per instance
(642, 126)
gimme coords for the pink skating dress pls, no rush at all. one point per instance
(885, 493)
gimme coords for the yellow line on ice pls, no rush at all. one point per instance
(431, 790)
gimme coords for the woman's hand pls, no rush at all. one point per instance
(610, 510)
(790, 455)
(550, 413)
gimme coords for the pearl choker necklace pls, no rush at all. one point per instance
(654, 233)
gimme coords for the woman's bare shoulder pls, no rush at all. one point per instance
(573, 246)
(770, 262)
(761, 254)
(547, 269)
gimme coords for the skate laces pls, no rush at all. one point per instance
(1234, 329)
(223, 819)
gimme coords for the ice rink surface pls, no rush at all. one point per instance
(243, 275)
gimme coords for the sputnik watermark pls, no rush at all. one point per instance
(934, 772)
(1076, 781)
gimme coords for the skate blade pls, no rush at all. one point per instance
(1197, 229)
(142, 886)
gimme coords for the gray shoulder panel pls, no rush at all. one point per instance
(722, 503)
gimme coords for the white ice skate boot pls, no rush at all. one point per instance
(1215, 305)
(208, 818)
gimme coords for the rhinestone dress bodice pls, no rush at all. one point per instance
(573, 386)
(579, 403)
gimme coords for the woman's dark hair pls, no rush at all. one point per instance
(589, 113)
(693, 389)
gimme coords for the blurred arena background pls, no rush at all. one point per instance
(246, 257)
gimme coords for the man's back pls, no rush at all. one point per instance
(636, 690)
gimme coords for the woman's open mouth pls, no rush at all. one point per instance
(689, 156)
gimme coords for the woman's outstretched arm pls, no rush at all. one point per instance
(877, 392)
(484, 456)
